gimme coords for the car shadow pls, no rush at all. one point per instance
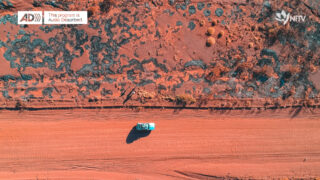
(134, 135)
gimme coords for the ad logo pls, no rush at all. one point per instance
(29, 17)
(284, 17)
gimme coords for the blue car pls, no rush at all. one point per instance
(145, 126)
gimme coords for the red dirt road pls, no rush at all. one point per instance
(94, 144)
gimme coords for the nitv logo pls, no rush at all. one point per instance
(29, 17)
(285, 17)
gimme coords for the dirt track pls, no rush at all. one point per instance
(187, 144)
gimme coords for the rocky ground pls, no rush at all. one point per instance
(220, 54)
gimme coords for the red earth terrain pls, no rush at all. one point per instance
(220, 54)
(187, 144)
(232, 86)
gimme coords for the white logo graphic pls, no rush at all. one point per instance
(29, 17)
(282, 17)
(285, 17)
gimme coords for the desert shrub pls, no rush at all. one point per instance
(184, 99)
(145, 94)
(294, 69)
(210, 41)
(93, 10)
(90, 12)
(216, 72)
(106, 5)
